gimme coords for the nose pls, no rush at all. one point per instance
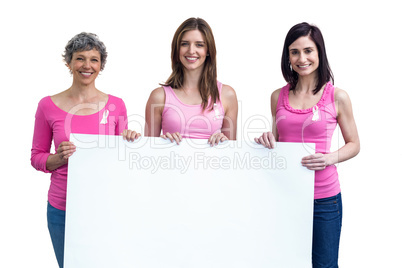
(302, 57)
(86, 64)
(191, 49)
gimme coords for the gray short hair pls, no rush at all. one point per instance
(84, 42)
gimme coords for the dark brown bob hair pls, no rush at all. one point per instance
(324, 71)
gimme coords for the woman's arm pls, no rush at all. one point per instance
(268, 139)
(153, 113)
(153, 116)
(42, 140)
(274, 103)
(122, 125)
(229, 125)
(229, 102)
(41, 158)
(348, 128)
(122, 121)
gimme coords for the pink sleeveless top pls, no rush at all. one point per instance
(313, 125)
(190, 120)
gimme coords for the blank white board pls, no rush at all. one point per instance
(153, 203)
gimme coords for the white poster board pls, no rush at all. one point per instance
(152, 203)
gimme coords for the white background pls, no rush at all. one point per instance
(362, 46)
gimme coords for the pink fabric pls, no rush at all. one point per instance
(52, 123)
(313, 125)
(189, 120)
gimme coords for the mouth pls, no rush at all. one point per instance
(303, 66)
(191, 59)
(86, 74)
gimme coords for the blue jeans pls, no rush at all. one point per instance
(56, 219)
(327, 231)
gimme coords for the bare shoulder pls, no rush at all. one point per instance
(228, 96)
(228, 92)
(342, 103)
(274, 100)
(59, 98)
(58, 95)
(341, 96)
(275, 94)
(157, 96)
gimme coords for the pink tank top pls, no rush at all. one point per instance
(313, 125)
(190, 120)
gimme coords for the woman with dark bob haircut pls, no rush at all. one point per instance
(82, 108)
(192, 103)
(307, 110)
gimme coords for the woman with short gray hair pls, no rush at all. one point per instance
(84, 42)
(82, 108)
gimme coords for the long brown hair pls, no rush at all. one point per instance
(208, 84)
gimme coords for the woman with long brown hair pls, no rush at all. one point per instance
(192, 103)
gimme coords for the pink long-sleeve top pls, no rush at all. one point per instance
(313, 125)
(53, 123)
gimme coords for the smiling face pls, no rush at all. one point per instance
(85, 66)
(193, 50)
(303, 56)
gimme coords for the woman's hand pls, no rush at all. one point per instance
(216, 138)
(173, 137)
(60, 158)
(316, 161)
(130, 135)
(267, 139)
(65, 150)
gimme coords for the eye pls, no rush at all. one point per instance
(308, 51)
(184, 44)
(200, 45)
(294, 52)
(79, 58)
(95, 60)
